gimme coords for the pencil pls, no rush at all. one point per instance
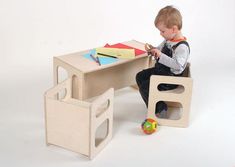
(107, 55)
(95, 59)
(98, 60)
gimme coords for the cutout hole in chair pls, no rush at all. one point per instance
(171, 88)
(62, 74)
(101, 132)
(173, 112)
(62, 94)
(75, 83)
(102, 108)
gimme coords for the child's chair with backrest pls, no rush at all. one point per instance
(179, 98)
(73, 124)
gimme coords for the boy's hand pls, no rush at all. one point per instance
(152, 50)
(155, 52)
(148, 47)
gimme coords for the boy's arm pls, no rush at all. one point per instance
(178, 60)
(159, 47)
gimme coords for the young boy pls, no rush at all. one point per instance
(171, 55)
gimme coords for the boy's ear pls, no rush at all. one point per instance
(175, 29)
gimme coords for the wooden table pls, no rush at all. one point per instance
(89, 79)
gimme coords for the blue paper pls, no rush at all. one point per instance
(103, 60)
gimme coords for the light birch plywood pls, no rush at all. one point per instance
(72, 123)
(181, 94)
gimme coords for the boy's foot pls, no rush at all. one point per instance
(162, 114)
(161, 110)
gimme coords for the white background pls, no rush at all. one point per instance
(32, 32)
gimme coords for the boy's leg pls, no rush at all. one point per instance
(144, 91)
(144, 75)
(142, 80)
(164, 87)
(161, 107)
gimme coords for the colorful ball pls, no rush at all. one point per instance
(149, 126)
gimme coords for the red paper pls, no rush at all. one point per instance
(122, 46)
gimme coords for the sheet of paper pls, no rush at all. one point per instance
(107, 60)
(117, 52)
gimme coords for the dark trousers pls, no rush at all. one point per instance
(143, 81)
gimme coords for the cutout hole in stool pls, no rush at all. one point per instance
(170, 88)
(75, 83)
(173, 110)
(62, 94)
(102, 108)
(101, 132)
(62, 74)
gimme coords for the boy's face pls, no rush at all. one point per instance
(167, 33)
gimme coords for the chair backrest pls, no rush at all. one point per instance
(187, 72)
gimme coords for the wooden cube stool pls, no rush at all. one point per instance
(72, 124)
(181, 95)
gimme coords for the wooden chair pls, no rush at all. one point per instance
(72, 124)
(179, 98)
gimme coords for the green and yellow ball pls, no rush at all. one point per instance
(149, 126)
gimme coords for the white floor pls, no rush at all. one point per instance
(207, 142)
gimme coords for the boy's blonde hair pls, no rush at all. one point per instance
(170, 17)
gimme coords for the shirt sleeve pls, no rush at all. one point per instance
(179, 58)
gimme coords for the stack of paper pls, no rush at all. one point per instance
(111, 53)
(122, 46)
(116, 52)
(103, 60)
